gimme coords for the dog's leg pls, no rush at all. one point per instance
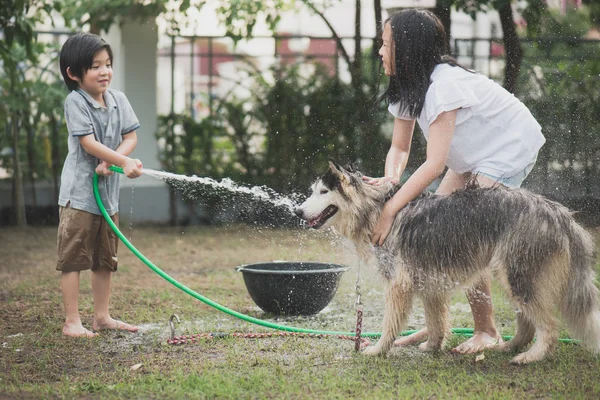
(398, 303)
(436, 318)
(537, 299)
(523, 336)
(546, 329)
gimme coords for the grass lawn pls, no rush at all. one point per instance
(36, 361)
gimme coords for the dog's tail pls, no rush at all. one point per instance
(581, 303)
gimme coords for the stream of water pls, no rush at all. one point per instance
(257, 192)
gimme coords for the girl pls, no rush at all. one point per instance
(472, 125)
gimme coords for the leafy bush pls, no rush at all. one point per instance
(561, 78)
(283, 135)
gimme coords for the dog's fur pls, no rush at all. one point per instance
(542, 257)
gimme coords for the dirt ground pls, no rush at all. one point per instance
(37, 361)
(204, 259)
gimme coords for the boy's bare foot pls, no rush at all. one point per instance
(77, 330)
(110, 323)
(478, 342)
(412, 339)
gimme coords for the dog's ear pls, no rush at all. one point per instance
(352, 168)
(337, 171)
(334, 166)
(349, 169)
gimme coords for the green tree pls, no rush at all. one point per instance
(532, 12)
(240, 17)
(100, 15)
(18, 51)
(594, 10)
(561, 86)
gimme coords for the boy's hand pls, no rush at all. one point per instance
(132, 168)
(102, 169)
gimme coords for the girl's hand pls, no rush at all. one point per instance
(132, 168)
(102, 169)
(380, 181)
(384, 225)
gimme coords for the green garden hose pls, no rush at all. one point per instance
(458, 331)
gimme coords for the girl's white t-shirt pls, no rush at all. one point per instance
(495, 133)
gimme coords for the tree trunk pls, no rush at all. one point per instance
(512, 46)
(378, 27)
(19, 197)
(55, 154)
(31, 159)
(336, 37)
(357, 64)
(442, 11)
(573, 140)
(355, 141)
(375, 65)
(94, 26)
(172, 195)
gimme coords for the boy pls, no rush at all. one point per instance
(101, 125)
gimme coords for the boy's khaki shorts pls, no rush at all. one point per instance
(85, 241)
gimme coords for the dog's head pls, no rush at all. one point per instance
(341, 199)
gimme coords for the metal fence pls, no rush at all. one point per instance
(194, 71)
(486, 55)
(194, 63)
(200, 67)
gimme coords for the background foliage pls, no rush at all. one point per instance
(561, 85)
(294, 121)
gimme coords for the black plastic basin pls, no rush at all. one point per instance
(292, 288)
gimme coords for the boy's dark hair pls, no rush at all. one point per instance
(419, 43)
(78, 54)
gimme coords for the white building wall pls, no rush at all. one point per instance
(139, 50)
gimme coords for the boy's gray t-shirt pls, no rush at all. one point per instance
(84, 116)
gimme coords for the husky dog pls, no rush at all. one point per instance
(532, 246)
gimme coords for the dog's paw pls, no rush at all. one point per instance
(430, 346)
(511, 346)
(506, 347)
(372, 351)
(523, 358)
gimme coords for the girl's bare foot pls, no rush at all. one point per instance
(478, 342)
(77, 330)
(110, 323)
(412, 339)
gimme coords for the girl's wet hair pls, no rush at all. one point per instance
(78, 53)
(419, 44)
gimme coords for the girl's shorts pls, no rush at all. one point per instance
(85, 241)
(514, 181)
